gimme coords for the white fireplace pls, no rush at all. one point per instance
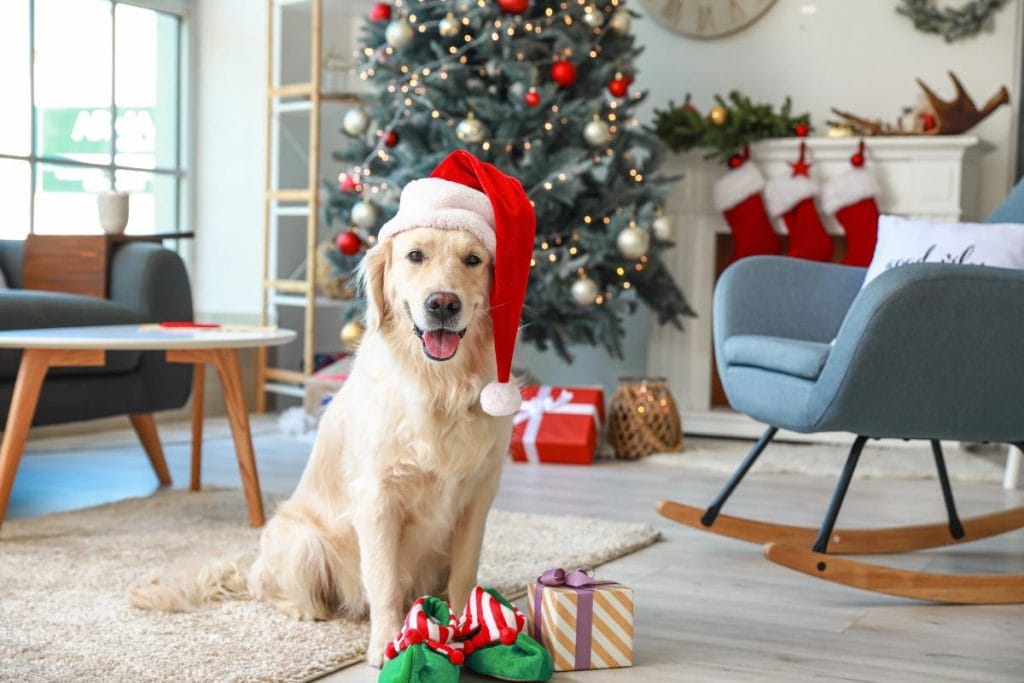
(930, 177)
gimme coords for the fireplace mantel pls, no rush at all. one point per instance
(930, 177)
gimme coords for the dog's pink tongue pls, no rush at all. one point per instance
(441, 344)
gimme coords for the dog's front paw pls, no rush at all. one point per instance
(375, 652)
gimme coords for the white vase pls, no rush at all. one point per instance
(113, 208)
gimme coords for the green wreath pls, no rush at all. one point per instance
(952, 23)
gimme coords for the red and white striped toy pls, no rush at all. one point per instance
(422, 626)
(488, 620)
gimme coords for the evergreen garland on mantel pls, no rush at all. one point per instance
(952, 23)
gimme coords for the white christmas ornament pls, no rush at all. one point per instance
(449, 26)
(399, 33)
(365, 214)
(584, 291)
(471, 130)
(593, 17)
(621, 21)
(662, 228)
(355, 121)
(633, 242)
(597, 133)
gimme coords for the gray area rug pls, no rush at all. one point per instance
(879, 460)
(63, 582)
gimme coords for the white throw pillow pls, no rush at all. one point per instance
(902, 241)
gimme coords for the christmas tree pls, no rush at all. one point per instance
(543, 90)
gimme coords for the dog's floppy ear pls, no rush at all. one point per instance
(372, 270)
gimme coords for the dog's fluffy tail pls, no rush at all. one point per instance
(215, 582)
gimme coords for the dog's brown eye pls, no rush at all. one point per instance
(473, 260)
(416, 256)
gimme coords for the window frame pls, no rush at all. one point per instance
(183, 124)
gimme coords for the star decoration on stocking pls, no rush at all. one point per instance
(800, 166)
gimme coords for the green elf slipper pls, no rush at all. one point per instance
(491, 634)
(425, 651)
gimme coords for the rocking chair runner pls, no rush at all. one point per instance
(925, 351)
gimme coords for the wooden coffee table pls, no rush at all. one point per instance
(87, 347)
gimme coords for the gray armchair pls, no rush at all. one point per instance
(147, 284)
(925, 351)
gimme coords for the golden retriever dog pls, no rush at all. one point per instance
(393, 500)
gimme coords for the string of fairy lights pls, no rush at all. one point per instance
(472, 29)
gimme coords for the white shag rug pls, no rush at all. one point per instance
(64, 615)
(879, 460)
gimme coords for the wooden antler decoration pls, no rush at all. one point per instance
(953, 117)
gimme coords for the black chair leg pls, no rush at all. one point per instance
(825, 533)
(956, 529)
(711, 513)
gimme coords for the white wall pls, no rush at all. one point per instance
(857, 56)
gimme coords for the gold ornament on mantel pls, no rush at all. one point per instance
(352, 334)
(718, 115)
(644, 419)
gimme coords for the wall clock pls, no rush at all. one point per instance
(706, 18)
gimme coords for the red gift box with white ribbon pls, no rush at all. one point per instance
(557, 425)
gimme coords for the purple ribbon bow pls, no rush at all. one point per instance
(582, 581)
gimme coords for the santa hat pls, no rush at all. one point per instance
(464, 193)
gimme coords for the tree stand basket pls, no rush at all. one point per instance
(644, 419)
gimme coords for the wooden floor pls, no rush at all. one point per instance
(708, 608)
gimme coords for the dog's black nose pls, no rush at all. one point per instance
(443, 305)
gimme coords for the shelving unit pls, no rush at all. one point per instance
(290, 199)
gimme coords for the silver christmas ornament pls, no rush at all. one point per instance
(633, 242)
(662, 228)
(471, 130)
(584, 291)
(621, 21)
(597, 133)
(399, 33)
(593, 17)
(449, 26)
(355, 121)
(365, 214)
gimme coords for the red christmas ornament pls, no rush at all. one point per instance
(513, 6)
(391, 138)
(801, 130)
(690, 108)
(347, 183)
(532, 97)
(619, 87)
(563, 73)
(857, 159)
(348, 243)
(736, 160)
(928, 121)
(380, 12)
(800, 166)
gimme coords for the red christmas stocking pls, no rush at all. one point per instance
(792, 197)
(850, 196)
(738, 196)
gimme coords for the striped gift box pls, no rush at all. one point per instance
(583, 628)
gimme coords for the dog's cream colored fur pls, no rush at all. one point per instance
(393, 501)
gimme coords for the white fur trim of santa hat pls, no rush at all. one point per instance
(443, 205)
(849, 187)
(781, 194)
(735, 186)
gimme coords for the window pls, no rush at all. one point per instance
(92, 101)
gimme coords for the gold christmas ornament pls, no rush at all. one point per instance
(352, 334)
(662, 228)
(365, 214)
(584, 291)
(471, 130)
(621, 21)
(593, 17)
(449, 26)
(633, 242)
(399, 33)
(597, 132)
(840, 130)
(718, 115)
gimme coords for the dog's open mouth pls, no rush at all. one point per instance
(439, 344)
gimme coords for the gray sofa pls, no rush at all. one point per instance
(147, 284)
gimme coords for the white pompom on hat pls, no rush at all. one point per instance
(464, 193)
